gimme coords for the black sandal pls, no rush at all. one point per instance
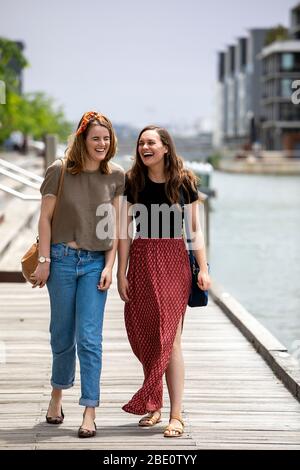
(84, 433)
(56, 419)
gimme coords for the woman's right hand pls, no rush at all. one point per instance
(123, 287)
(40, 275)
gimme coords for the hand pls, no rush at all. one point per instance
(204, 281)
(40, 275)
(123, 287)
(105, 279)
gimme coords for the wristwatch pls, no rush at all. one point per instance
(43, 259)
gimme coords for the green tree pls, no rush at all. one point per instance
(12, 61)
(278, 33)
(33, 114)
(39, 116)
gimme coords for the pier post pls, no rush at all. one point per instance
(50, 149)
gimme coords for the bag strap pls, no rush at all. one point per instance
(60, 186)
(186, 231)
(181, 198)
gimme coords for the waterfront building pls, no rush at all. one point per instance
(238, 91)
(280, 115)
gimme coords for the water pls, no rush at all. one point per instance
(255, 247)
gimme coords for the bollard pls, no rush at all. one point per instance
(204, 209)
(50, 149)
(207, 227)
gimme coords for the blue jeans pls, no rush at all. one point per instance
(77, 310)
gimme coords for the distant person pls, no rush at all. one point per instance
(256, 147)
(157, 284)
(16, 139)
(24, 147)
(76, 263)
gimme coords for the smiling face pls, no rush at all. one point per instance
(151, 149)
(97, 142)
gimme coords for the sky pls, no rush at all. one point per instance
(136, 61)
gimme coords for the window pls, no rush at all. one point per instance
(286, 88)
(269, 112)
(289, 112)
(287, 61)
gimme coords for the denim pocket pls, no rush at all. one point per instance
(97, 263)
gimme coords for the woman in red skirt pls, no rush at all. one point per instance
(157, 284)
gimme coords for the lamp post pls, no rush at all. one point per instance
(251, 127)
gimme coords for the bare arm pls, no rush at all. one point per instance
(42, 271)
(126, 234)
(110, 255)
(198, 245)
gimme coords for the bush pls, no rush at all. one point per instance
(214, 160)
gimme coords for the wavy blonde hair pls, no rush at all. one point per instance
(176, 175)
(76, 153)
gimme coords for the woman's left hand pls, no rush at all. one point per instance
(204, 280)
(105, 279)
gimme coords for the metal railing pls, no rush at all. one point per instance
(27, 178)
(18, 194)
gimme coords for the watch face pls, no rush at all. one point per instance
(42, 259)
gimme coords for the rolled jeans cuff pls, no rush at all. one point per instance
(88, 402)
(61, 387)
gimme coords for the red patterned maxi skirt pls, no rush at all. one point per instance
(159, 280)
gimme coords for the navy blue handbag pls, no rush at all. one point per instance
(198, 297)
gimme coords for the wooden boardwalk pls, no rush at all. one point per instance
(232, 399)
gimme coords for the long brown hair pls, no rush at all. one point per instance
(76, 152)
(175, 173)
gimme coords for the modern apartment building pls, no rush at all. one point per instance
(241, 88)
(220, 111)
(281, 67)
(238, 93)
(295, 22)
(254, 92)
(15, 66)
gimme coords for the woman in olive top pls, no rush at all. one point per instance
(76, 260)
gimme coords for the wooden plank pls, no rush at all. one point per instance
(232, 399)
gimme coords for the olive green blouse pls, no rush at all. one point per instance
(76, 218)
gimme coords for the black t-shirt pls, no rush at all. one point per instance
(154, 214)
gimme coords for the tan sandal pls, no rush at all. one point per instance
(172, 430)
(150, 420)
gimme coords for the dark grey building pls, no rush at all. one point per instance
(220, 113)
(238, 94)
(295, 22)
(241, 89)
(15, 66)
(281, 67)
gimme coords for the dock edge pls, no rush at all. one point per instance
(276, 355)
